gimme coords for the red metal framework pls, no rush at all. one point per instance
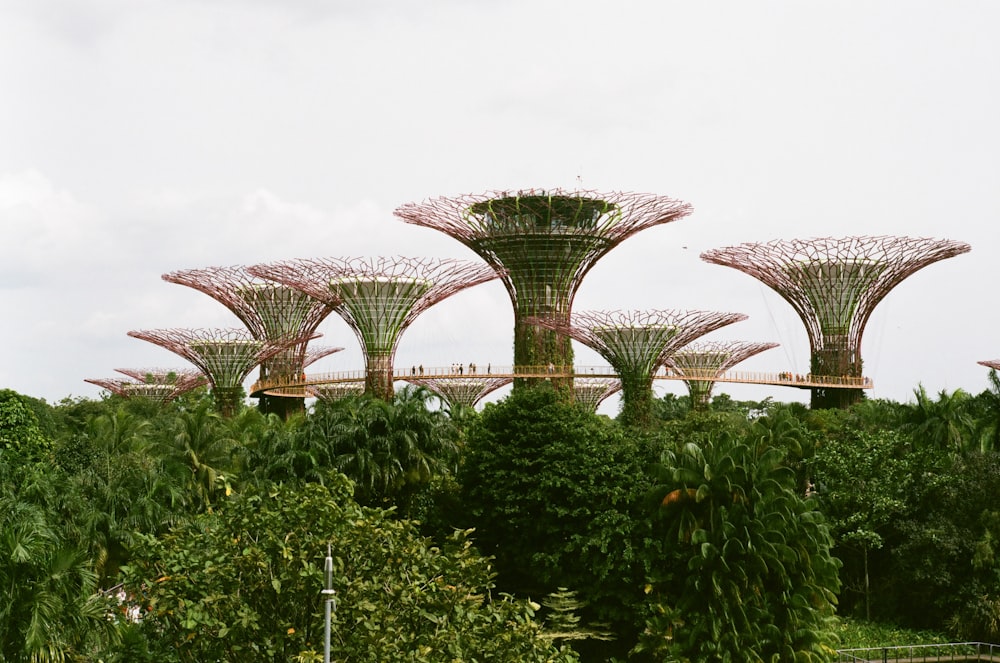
(269, 310)
(314, 354)
(377, 297)
(466, 391)
(591, 392)
(543, 242)
(173, 376)
(335, 391)
(834, 285)
(990, 363)
(225, 356)
(717, 356)
(156, 387)
(635, 343)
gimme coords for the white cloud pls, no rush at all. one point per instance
(145, 137)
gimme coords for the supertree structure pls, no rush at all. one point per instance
(463, 391)
(990, 363)
(635, 343)
(708, 359)
(313, 354)
(543, 243)
(178, 380)
(225, 356)
(591, 392)
(271, 312)
(834, 285)
(335, 390)
(378, 298)
(172, 376)
(156, 384)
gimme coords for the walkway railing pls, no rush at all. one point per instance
(952, 651)
(471, 371)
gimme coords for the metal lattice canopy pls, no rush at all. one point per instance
(544, 243)
(591, 392)
(835, 284)
(635, 343)
(712, 358)
(225, 356)
(129, 387)
(377, 297)
(185, 379)
(335, 391)
(463, 391)
(270, 311)
(990, 363)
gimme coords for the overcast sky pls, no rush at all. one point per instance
(139, 137)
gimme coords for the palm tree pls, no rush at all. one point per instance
(390, 450)
(988, 411)
(945, 423)
(50, 608)
(748, 573)
(199, 450)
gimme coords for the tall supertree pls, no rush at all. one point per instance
(225, 356)
(834, 285)
(710, 359)
(271, 312)
(378, 298)
(591, 392)
(466, 391)
(635, 343)
(156, 384)
(543, 243)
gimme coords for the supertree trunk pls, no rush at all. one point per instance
(835, 359)
(700, 393)
(637, 402)
(378, 376)
(227, 400)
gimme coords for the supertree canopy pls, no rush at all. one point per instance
(710, 359)
(591, 392)
(156, 384)
(335, 390)
(834, 285)
(990, 363)
(378, 298)
(464, 392)
(543, 243)
(271, 312)
(225, 356)
(635, 343)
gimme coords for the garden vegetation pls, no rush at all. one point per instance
(134, 531)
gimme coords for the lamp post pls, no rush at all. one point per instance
(329, 594)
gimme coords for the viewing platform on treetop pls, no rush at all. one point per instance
(413, 374)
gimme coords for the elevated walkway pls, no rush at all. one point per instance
(413, 374)
(967, 652)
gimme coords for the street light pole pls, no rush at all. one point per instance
(329, 593)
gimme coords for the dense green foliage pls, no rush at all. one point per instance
(746, 573)
(552, 493)
(242, 584)
(716, 535)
